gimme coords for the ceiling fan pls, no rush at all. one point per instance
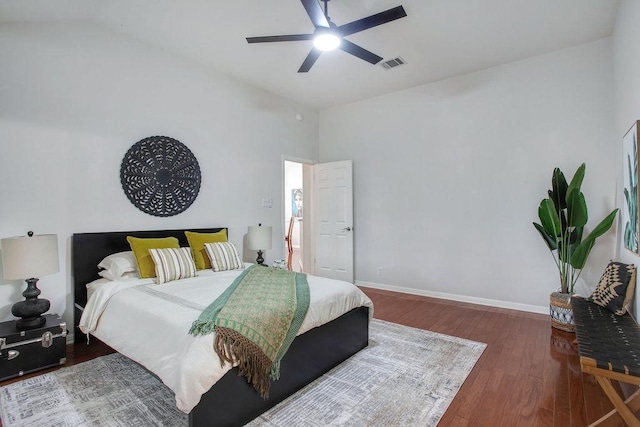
(329, 36)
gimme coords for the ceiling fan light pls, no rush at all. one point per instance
(326, 41)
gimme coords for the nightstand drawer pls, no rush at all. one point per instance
(23, 352)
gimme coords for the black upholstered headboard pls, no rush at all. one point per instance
(88, 249)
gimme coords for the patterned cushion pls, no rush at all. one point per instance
(615, 290)
(223, 256)
(173, 264)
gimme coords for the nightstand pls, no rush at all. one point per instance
(23, 352)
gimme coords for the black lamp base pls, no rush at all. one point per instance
(260, 260)
(31, 309)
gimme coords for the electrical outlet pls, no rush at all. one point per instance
(379, 271)
(267, 203)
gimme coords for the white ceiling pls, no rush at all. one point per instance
(438, 39)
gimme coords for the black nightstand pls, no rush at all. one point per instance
(22, 352)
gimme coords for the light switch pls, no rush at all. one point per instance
(266, 203)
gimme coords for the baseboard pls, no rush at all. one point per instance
(459, 298)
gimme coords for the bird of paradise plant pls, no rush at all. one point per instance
(563, 216)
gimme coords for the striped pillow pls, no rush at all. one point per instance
(173, 264)
(223, 256)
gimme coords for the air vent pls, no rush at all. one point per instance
(392, 63)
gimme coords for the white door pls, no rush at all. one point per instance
(333, 220)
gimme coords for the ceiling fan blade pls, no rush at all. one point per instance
(282, 38)
(361, 53)
(310, 60)
(372, 21)
(314, 10)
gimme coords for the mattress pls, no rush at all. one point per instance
(149, 323)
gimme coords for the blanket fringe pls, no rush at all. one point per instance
(253, 364)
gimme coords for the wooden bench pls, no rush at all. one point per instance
(609, 349)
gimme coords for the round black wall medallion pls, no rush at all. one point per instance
(160, 176)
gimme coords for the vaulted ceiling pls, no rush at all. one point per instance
(438, 39)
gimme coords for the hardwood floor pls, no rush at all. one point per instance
(529, 374)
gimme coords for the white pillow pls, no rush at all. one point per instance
(131, 275)
(119, 263)
(223, 256)
(173, 264)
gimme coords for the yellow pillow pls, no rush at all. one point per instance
(140, 248)
(197, 241)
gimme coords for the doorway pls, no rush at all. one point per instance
(320, 239)
(296, 198)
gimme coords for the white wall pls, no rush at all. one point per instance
(73, 99)
(626, 66)
(448, 176)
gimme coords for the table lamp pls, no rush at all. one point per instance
(259, 239)
(30, 257)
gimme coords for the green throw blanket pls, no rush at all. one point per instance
(255, 320)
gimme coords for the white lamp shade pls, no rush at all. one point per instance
(259, 238)
(27, 257)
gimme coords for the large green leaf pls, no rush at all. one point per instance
(558, 192)
(581, 252)
(576, 208)
(549, 218)
(576, 181)
(576, 205)
(550, 241)
(604, 226)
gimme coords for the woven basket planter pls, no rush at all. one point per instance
(561, 312)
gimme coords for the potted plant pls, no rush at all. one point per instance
(563, 216)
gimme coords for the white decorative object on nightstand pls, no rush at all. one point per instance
(280, 263)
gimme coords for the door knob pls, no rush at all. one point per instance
(346, 229)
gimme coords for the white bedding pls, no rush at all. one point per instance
(149, 323)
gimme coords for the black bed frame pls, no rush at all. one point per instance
(232, 401)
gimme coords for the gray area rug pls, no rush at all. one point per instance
(405, 377)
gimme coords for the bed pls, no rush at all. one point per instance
(231, 401)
